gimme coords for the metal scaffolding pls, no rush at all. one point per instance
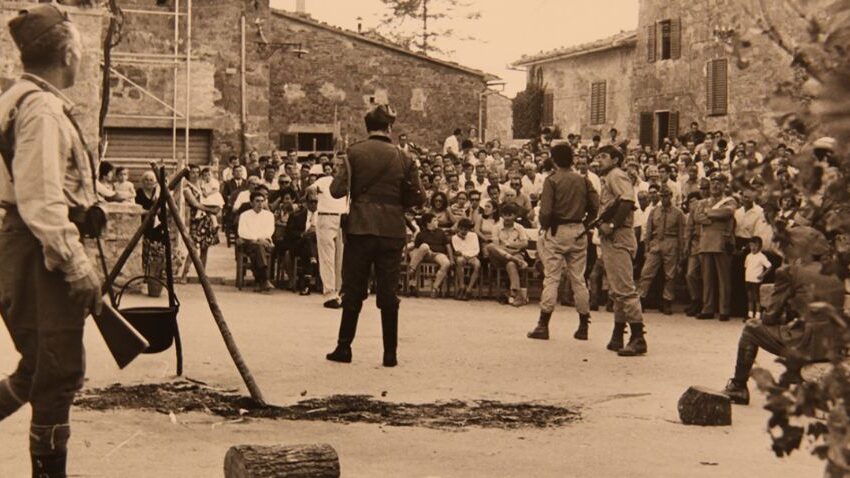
(174, 60)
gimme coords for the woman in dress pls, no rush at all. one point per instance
(153, 241)
(203, 228)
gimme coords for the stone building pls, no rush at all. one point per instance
(322, 96)
(269, 97)
(673, 70)
(587, 87)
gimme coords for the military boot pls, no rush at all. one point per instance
(49, 466)
(616, 342)
(737, 392)
(583, 325)
(541, 332)
(637, 342)
(347, 330)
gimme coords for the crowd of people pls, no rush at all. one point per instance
(482, 214)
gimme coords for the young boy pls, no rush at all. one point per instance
(756, 265)
(123, 186)
(432, 244)
(509, 242)
(466, 249)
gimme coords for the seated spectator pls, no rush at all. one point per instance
(440, 209)
(509, 243)
(432, 244)
(299, 238)
(282, 209)
(460, 206)
(487, 224)
(255, 231)
(123, 186)
(466, 249)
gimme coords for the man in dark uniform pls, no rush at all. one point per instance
(47, 284)
(380, 178)
(619, 246)
(567, 202)
(791, 323)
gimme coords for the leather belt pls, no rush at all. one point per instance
(330, 214)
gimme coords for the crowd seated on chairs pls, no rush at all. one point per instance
(255, 230)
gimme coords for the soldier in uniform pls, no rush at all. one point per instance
(715, 217)
(47, 284)
(792, 326)
(693, 276)
(381, 180)
(619, 246)
(665, 231)
(568, 201)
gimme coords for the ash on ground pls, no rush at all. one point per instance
(181, 397)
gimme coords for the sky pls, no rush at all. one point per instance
(506, 30)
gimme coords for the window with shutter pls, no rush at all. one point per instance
(673, 125)
(675, 38)
(645, 129)
(598, 97)
(717, 87)
(548, 109)
(651, 42)
(666, 37)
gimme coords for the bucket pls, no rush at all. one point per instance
(158, 325)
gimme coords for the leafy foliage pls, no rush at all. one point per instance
(815, 35)
(421, 24)
(528, 112)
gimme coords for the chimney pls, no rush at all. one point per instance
(301, 6)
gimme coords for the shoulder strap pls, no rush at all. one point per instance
(7, 136)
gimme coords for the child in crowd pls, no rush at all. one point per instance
(210, 195)
(466, 249)
(432, 244)
(509, 244)
(123, 186)
(756, 265)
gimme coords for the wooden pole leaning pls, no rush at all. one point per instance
(232, 348)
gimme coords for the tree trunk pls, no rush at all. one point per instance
(700, 406)
(296, 461)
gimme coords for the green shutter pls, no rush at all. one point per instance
(645, 129)
(651, 41)
(717, 94)
(673, 126)
(675, 38)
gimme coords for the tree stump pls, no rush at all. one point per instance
(701, 406)
(296, 461)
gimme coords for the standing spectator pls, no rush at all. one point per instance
(693, 274)
(227, 173)
(756, 267)
(432, 244)
(452, 144)
(466, 249)
(665, 229)
(202, 228)
(329, 237)
(509, 243)
(256, 228)
(153, 240)
(105, 187)
(715, 218)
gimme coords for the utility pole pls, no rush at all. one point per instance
(425, 26)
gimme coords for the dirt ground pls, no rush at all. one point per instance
(627, 426)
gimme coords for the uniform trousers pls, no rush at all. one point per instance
(564, 250)
(693, 277)
(46, 328)
(716, 285)
(666, 256)
(329, 240)
(618, 249)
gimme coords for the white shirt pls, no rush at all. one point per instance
(468, 247)
(312, 218)
(594, 181)
(254, 226)
(754, 266)
(534, 186)
(241, 198)
(451, 143)
(327, 203)
(746, 222)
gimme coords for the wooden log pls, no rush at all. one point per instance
(701, 406)
(296, 461)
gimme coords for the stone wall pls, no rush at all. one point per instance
(570, 80)
(86, 92)
(215, 86)
(339, 75)
(680, 84)
(499, 123)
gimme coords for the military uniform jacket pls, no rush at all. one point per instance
(380, 167)
(616, 184)
(718, 235)
(52, 171)
(665, 225)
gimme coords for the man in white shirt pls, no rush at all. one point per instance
(329, 234)
(532, 182)
(466, 249)
(582, 168)
(452, 144)
(256, 227)
(748, 217)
